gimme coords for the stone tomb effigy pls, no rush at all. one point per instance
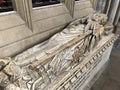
(67, 61)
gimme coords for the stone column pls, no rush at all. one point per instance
(107, 6)
(117, 16)
(113, 10)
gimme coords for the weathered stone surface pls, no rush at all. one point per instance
(68, 51)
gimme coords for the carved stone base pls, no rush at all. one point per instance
(81, 75)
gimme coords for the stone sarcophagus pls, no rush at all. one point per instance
(67, 61)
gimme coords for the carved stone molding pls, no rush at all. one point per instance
(24, 8)
(70, 5)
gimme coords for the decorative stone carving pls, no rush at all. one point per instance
(40, 67)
